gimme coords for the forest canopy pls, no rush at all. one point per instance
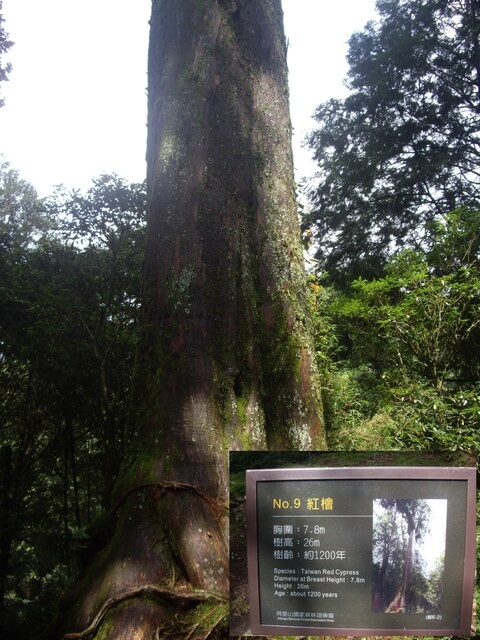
(69, 302)
(5, 44)
(403, 148)
(394, 224)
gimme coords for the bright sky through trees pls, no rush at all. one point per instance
(433, 544)
(76, 99)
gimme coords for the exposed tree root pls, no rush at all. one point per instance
(182, 598)
(172, 486)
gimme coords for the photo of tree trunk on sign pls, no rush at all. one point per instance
(225, 355)
(408, 555)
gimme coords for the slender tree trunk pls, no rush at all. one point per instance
(73, 466)
(65, 484)
(225, 352)
(378, 598)
(6, 525)
(409, 580)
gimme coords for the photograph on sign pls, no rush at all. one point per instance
(408, 549)
(370, 550)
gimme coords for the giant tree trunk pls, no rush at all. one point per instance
(225, 353)
(404, 599)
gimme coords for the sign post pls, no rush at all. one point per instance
(367, 550)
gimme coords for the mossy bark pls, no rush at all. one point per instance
(225, 350)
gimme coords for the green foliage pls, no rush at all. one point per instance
(320, 302)
(5, 44)
(426, 419)
(353, 413)
(434, 591)
(69, 302)
(109, 213)
(453, 241)
(22, 218)
(403, 147)
(407, 376)
(421, 318)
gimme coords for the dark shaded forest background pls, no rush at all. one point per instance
(392, 227)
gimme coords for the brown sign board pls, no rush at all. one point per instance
(361, 551)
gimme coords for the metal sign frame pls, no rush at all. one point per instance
(263, 510)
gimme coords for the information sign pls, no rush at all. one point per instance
(361, 551)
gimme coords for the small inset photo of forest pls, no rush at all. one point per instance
(408, 555)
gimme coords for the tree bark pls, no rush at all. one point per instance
(225, 353)
(404, 599)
